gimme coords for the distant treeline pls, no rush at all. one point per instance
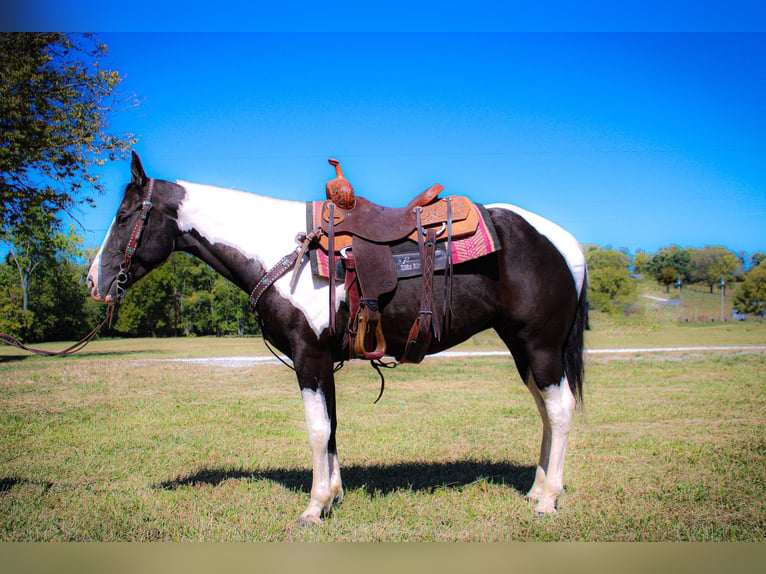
(183, 297)
(613, 274)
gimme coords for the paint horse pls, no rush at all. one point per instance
(531, 291)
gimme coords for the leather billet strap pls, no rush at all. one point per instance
(331, 254)
(447, 304)
(425, 324)
(272, 276)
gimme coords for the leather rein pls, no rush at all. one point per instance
(122, 280)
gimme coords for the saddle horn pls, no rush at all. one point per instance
(339, 190)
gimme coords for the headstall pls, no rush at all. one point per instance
(130, 248)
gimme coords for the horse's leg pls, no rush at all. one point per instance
(536, 492)
(315, 377)
(556, 404)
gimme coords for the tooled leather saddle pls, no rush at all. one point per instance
(362, 233)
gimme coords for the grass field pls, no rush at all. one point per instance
(120, 443)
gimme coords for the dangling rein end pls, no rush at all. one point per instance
(377, 364)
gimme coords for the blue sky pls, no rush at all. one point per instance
(626, 140)
(636, 124)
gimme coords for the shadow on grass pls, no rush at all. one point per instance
(7, 483)
(378, 480)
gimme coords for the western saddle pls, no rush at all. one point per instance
(360, 235)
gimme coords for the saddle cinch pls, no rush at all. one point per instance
(360, 234)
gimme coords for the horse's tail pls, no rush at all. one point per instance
(573, 351)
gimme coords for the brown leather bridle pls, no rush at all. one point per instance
(130, 249)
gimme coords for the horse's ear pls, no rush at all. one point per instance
(137, 170)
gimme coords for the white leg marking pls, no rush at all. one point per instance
(559, 404)
(318, 426)
(336, 485)
(536, 492)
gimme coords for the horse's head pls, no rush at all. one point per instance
(141, 237)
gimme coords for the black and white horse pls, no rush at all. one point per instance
(531, 292)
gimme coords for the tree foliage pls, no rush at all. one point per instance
(642, 262)
(54, 100)
(751, 296)
(184, 297)
(667, 276)
(611, 287)
(58, 308)
(710, 264)
(674, 257)
(757, 258)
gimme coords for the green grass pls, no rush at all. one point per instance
(118, 445)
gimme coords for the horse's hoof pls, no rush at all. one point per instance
(546, 508)
(308, 521)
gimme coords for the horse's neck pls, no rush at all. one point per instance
(231, 230)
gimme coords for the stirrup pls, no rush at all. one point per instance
(368, 332)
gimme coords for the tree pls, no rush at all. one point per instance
(751, 295)
(726, 267)
(611, 287)
(148, 306)
(58, 303)
(31, 247)
(13, 319)
(54, 98)
(757, 258)
(642, 262)
(708, 265)
(59, 300)
(668, 275)
(674, 257)
(231, 313)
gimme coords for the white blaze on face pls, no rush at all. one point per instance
(563, 240)
(260, 228)
(95, 266)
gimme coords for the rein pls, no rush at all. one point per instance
(12, 341)
(122, 280)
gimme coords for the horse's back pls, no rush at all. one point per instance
(529, 231)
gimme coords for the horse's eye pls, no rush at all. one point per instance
(122, 219)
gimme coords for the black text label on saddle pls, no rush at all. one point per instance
(410, 265)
